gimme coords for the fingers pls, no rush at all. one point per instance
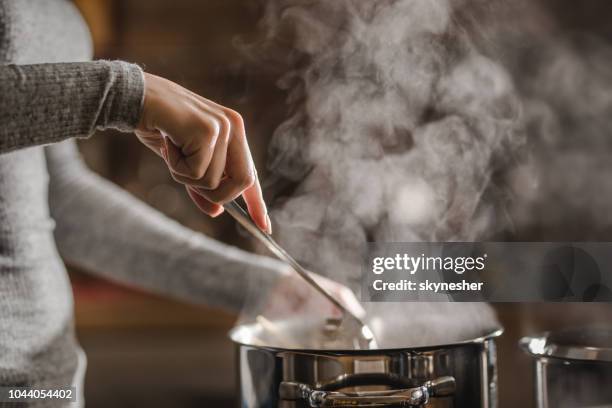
(176, 116)
(231, 188)
(212, 209)
(216, 169)
(239, 172)
(204, 145)
(252, 194)
(231, 171)
(192, 158)
(256, 206)
(206, 167)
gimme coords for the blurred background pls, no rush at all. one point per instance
(148, 351)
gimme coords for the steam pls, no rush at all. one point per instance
(399, 124)
(560, 182)
(570, 100)
(433, 120)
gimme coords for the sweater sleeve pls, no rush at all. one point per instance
(106, 231)
(47, 103)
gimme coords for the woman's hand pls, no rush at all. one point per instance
(204, 145)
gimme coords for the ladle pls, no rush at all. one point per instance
(364, 337)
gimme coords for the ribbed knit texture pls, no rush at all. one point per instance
(50, 203)
(47, 103)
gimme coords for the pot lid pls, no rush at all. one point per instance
(586, 343)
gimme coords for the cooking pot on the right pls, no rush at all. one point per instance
(573, 367)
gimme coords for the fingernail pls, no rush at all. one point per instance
(218, 212)
(268, 224)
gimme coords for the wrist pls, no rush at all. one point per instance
(145, 122)
(125, 107)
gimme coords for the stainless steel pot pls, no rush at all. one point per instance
(573, 368)
(454, 375)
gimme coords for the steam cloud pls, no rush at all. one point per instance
(431, 120)
(399, 125)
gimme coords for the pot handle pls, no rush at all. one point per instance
(406, 397)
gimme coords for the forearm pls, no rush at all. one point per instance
(47, 103)
(108, 232)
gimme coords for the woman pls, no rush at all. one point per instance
(50, 203)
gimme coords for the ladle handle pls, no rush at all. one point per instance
(239, 214)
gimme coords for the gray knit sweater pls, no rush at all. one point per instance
(50, 204)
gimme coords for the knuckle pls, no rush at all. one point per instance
(225, 122)
(209, 127)
(224, 133)
(215, 128)
(202, 132)
(206, 139)
(234, 116)
(246, 180)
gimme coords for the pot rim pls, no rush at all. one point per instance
(543, 346)
(233, 333)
